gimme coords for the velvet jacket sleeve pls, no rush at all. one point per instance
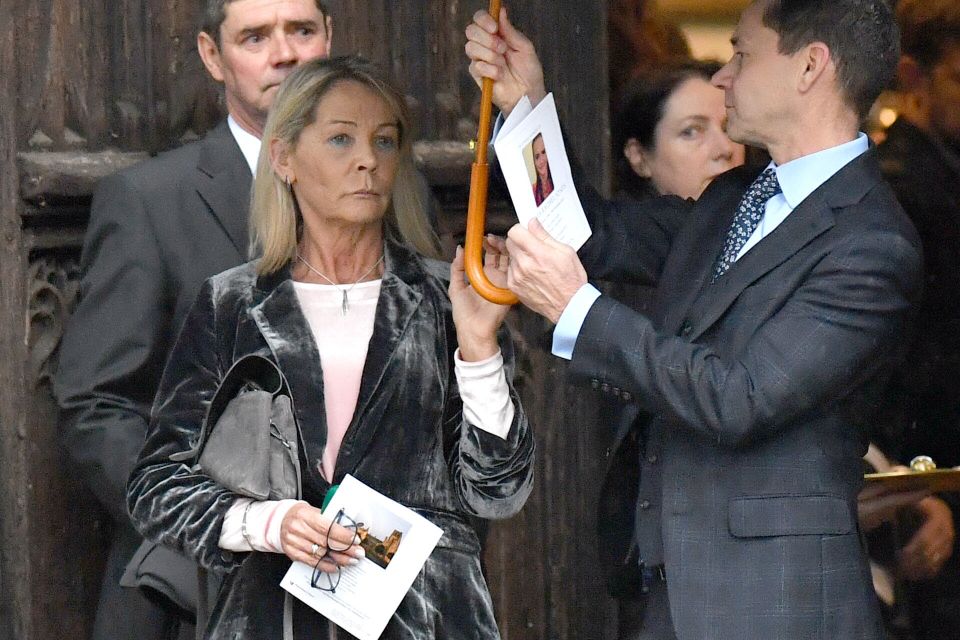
(169, 502)
(493, 476)
(113, 349)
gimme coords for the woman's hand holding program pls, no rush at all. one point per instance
(309, 536)
(477, 320)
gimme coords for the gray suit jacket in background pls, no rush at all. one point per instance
(761, 385)
(156, 232)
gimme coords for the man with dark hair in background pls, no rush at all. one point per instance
(781, 304)
(156, 232)
(921, 160)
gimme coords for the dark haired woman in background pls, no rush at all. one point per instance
(669, 133)
(669, 138)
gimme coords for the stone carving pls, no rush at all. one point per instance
(54, 282)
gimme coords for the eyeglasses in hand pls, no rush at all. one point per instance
(328, 581)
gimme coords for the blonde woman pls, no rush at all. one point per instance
(400, 374)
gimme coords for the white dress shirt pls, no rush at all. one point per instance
(249, 144)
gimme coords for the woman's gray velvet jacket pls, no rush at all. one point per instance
(408, 439)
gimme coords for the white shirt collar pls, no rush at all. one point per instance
(801, 177)
(249, 144)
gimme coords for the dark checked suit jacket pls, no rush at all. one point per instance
(759, 387)
(156, 232)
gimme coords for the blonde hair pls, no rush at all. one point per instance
(275, 223)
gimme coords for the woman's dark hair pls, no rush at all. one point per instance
(862, 36)
(640, 110)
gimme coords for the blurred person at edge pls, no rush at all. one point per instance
(640, 40)
(920, 158)
(390, 355)
(156, 231)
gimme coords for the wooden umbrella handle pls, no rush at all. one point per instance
(477, 206)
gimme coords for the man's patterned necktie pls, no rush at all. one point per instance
(749, 214)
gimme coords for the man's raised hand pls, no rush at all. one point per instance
(503, 54)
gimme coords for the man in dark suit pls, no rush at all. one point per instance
(156, 232)
(921, 160)
(781, 306)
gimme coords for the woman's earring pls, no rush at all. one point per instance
(280, 199)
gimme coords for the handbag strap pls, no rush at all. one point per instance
(203, 602)
(251, 369)
(287, 616)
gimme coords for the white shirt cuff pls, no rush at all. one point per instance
(571, 320)
(485, 394)
(262, 525)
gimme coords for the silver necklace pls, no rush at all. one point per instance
(345, 305)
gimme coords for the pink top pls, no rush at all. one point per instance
(342, 340)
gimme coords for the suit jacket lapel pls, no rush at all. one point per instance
(223, 182)
(805, 223)
(811, 218)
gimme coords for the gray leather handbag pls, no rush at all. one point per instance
(249, 438)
